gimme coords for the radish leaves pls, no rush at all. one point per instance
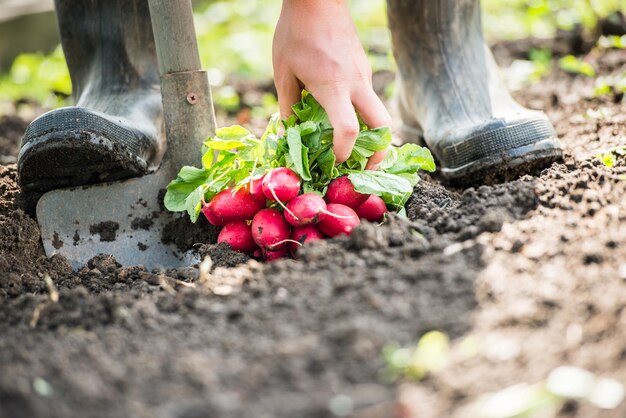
(234, 156)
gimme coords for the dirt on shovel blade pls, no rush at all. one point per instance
(532, 271)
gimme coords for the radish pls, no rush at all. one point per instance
(235, 205)
(238, 235)
(306, 209)
(373, 209)
(342, 191)
(270, 230)
(255, 187)
(343, 222)
(281, 185)
(304, 234)
(270, 256)
(210, 216)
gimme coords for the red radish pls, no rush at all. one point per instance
(270, 256)
(303, 234)
(255, 187)
(281, 185)
(210, 216)
(238, 235)
(342, 191)
(373, 209)
(270, 230)
(305, 209)
(344, 221)
(235, 205)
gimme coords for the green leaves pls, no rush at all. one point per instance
(608, 158)
(397, 176)
(379, 183)
(367, 143)
(234, 156)
(188, 179)
(574, 65)
(409, 158)
(309, 110)
(298, 157)
(193, 202)
(230, 157)
(395, 190)
(231, 133)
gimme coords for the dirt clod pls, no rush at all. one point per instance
(107, 230)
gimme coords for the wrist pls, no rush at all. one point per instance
(313, 6)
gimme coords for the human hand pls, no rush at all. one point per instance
(316, 47)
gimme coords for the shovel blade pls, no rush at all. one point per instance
(124, 219)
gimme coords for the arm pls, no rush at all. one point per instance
(316, 47)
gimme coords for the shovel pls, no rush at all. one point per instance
(126, 218)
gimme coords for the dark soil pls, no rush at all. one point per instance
(11, 130)
(107, 230)
(518, 263)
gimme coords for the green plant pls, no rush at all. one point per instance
(234, 157)
(38, 77)
(430, 354)
(608, 157)
(610, 85)
(612, 41)
(575, 65)
(516, 19)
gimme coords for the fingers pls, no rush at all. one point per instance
(345, 124)
(375, 115)
(374, 162)
(340, 110)
(289, 93)
(371, 109)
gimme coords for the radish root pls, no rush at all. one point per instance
(334, 215)
(282, 205)
(273, 246)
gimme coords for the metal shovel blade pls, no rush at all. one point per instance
(124, 219)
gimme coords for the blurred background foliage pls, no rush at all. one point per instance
(235, 38)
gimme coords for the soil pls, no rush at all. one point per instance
(11, 129)
(535, 265)
(107, 230)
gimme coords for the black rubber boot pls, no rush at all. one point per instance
(451, 97)
(116, 128)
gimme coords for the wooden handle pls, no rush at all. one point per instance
(187, 104)
(174, 36)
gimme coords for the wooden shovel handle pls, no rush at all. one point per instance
(174, 36)
(187, 104)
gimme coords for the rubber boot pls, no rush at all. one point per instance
(116, 128)
(451, 97)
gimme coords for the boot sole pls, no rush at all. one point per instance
(498, 155)
(508, 165)
(73, 147)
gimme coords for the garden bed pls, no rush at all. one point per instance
(533, 270)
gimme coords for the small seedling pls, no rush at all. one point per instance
(608, 157)
(575, 65)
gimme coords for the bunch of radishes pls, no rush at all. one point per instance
(272, 194)
(270, 218)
